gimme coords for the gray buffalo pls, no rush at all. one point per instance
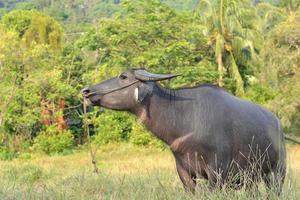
(211, 133)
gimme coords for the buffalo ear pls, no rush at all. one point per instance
(142, 92)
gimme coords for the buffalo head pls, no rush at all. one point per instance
(125, 91)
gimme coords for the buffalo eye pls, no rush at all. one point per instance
(122, 76)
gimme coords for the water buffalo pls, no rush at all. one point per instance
(212, 134)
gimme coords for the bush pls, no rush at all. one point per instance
(260, 94)
(53, 140)
(12, 145)
(116, 127)
(140, 136)
(112, 126)
(5, 154)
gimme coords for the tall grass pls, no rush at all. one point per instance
(126, 172)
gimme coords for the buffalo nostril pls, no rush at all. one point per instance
(85, 91)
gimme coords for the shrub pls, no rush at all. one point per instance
(260, 94)
(116, 127)
(53, 140)
(111, 127)
(140, 136)
(12, 145)
(5, 154)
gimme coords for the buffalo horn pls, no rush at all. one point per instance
(143, 75)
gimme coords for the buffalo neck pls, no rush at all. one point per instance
(159, 113)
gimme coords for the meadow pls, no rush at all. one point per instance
(126, 172)
(51, 50)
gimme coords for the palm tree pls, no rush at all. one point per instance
(234, 31)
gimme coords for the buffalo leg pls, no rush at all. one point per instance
(186, 178)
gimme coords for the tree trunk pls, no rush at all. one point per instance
(60, 121)
(218, 52)
(220, 70)
(46, 113)
(222, 16)
(53, 114)
(235, 74)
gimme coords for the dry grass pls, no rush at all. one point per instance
(127, 172)
(294, 158)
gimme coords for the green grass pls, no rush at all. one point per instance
(126, 172)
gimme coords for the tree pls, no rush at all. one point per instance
(281, 66)
(234, 31)
(31, 72)
(152, 35)
(8, 46)
(34, 27)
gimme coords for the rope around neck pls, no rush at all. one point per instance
(103, 92)
(86, 123)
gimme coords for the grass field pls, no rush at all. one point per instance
(126, 172)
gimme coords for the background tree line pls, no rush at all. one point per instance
(49, 50)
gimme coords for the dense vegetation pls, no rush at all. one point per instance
(49, 50)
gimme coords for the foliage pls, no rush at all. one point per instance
(11, 146)
(235, 35)
(53, 140)
(260, 94)
(50, 50)
(112, 127)
(140, 136)
(281, 69)
(31, 72)
(23, 85)
(34, 27)
(151, 35)
(181, 5)
(6, 154)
